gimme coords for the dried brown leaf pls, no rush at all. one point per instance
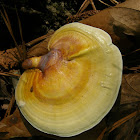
(120, 22)
(130, 90)
(118, 124)
(12, 126)
(133, 4)
(126, 20)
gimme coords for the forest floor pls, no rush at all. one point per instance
(25, 32)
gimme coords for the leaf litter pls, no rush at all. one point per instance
(122, 23)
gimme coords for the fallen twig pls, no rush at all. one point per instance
(117, 124)
(10, 107)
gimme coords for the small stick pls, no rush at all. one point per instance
(123, 120)
(83, 6)
(9, 74)
(39, 39)
(102, 134)
(93, 5)
(114, 2)
(21, 35)
(104, 3)
(36, 40)
(117, 124)
(10, 107)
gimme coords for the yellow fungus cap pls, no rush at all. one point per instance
(72, 88)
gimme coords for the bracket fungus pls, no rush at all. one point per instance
(71, 88)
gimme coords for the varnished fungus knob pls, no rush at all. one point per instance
(72, 88)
